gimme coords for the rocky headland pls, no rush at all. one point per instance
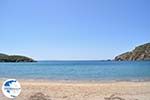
(14, 58)
(141, 52)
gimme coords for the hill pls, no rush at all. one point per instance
(141, 52)
(14, 58)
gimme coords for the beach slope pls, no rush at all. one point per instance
(48, 90)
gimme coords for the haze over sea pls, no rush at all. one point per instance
(78, 70)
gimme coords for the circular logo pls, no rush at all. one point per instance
(11, 88)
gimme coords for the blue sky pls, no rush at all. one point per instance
(73, 29)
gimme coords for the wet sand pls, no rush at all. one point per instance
(53, 90)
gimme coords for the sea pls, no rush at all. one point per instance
(77, 70)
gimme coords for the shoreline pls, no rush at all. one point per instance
(79, 81)
(56, 90)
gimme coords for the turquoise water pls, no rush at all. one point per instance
(77, 70)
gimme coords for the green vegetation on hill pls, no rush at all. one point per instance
(141, 52)
(1, 55)
(14, 58)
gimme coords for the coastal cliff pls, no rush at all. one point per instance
(14, 58)
(141, 52)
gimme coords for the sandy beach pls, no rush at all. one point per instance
(53, 90)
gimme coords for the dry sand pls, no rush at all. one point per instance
(52, 90)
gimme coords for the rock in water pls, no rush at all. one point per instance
(141, 52)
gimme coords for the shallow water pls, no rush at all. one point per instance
(78, 70)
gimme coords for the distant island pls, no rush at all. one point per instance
(14, 58)
(141, 52)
